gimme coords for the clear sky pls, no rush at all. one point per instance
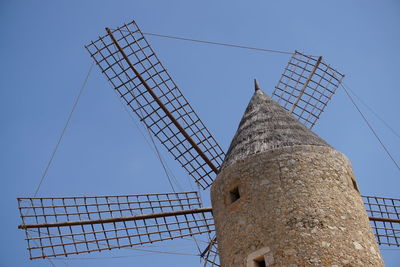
(43, 64)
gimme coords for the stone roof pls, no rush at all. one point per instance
(266, 125)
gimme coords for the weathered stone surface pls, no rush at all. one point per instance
(284, 197)
(264, 126)
(307, 214)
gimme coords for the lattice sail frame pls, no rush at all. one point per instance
(384, 214)
(135, 72)
(210, 255)
(304, 89)
(306, 86)
(74, 225)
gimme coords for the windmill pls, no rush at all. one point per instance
(73, 225)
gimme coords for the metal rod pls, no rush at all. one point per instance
(109, 211)
(116, 203)
(116, 219)
(209, 247)
(155, 97)
(379, 219)
(305, 85)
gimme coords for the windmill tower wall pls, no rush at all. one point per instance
(284, 197)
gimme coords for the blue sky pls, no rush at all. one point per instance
(43, 63)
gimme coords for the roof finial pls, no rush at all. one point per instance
(256, 85)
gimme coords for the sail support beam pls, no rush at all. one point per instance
(306, 84)
(116, 219)
(159, 102)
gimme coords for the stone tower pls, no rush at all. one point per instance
(284, 197)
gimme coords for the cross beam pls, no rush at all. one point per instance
(306, 84)
(117, 219)
(380, 219)
(162, 106)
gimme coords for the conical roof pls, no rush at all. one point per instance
(265, 126)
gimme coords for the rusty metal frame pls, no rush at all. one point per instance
(210, 254)
(306, 86)
(384, 215)
(74, 225)
(135, 72)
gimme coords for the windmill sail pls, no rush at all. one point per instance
(384, 215)
(210, 254)
(135, 72)
(306, 86)
(74, 225)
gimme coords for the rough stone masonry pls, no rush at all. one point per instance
(284, 197)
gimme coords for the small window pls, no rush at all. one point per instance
(234, 194)
(262, 257)
(259, 262)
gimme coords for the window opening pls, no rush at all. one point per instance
(234, 194)
(259, 262)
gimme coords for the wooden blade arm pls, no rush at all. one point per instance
(116, 219)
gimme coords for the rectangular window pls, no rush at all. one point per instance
(234, 194)
(259, 262)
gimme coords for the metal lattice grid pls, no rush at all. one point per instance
(306, 86)
(384, 215)
(74, 225)
(135, 72)
(210, 255)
